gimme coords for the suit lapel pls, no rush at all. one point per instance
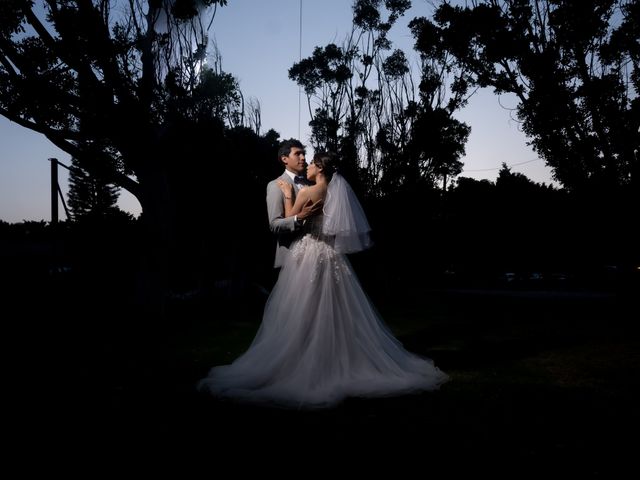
(288, 179)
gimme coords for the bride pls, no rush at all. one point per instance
(321, 339)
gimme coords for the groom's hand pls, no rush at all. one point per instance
(310, 209)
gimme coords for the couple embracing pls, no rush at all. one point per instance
(320, 340)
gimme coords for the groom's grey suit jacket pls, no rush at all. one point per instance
(286, 230)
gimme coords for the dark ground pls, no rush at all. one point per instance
(541, 381)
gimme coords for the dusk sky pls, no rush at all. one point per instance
(259, 42)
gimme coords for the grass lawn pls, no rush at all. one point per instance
(539, 382)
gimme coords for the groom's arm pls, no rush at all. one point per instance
(275, 209)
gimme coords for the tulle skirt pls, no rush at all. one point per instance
(320, 341)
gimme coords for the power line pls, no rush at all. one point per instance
(299, 60)
(498, 168)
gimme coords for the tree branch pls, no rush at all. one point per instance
(53, 44)
(4, 59)
(59, 139)
(11, 55)
(36, 127)
(115, 177)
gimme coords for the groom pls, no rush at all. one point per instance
(292, 155)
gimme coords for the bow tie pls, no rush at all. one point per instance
(300, 179)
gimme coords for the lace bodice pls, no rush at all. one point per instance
(313, 225)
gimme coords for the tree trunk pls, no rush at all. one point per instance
(158, 215)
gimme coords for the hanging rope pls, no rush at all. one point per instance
(299, 59)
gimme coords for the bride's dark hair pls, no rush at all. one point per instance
(328, 161)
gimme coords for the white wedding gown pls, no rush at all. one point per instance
(320, 340)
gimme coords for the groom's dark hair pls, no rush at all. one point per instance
(284, 149)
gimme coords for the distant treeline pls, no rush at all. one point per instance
(476, 233)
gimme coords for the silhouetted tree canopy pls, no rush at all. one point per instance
(572, 65)
(127, 93)
(89, 195)
(393, 135)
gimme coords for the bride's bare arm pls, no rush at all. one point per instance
(304, 205)
(290, 208)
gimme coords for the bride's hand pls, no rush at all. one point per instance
(286, 188)
(310, 209)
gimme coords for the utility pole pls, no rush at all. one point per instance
(54, 192)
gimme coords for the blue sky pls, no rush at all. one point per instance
(259, 41)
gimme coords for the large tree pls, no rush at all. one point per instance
(110, 83)
(395, 132)
(573, 67)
